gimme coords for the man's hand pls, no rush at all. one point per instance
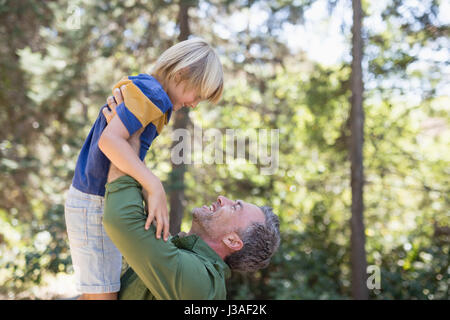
(113, 102)
(155, 197)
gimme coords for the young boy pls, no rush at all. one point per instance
(184, 75)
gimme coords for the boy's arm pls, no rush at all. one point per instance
(113, 143)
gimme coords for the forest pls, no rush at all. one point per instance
(357, 92)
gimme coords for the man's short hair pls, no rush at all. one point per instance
(260, 243)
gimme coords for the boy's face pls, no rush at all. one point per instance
(181, 96)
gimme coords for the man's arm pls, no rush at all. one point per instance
(124, 219)
(153, 260)
(165, 271)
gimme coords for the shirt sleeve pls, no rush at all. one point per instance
(137, 110)
(165, 270)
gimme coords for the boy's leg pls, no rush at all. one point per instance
(113, 174)
(96, 261)
(98, 296)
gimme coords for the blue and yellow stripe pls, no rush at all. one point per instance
(145, 102)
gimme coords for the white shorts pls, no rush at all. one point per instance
(96, 260)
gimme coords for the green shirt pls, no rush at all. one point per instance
(181, 268)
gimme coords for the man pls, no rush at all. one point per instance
(226, 235)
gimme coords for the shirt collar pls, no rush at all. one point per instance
(165, 99)
(196, 244)
(168, 115)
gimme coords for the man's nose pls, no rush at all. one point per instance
(223, 200)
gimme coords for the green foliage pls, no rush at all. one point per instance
(32, 250)
(54, 79)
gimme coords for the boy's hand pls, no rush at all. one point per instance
(113, 102)
(157, 209)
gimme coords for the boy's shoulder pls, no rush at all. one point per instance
(147, 82)
(152, 89)
(143, 77)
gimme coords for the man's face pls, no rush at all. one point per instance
(224, 216)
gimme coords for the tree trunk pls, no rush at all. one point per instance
(176, 178)
(358, 253)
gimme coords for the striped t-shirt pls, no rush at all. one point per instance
(147, 105)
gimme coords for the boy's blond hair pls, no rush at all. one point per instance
(199, 65)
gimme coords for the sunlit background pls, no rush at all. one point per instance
(287, 66)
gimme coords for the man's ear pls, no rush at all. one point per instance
(232, 241)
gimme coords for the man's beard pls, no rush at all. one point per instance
(201, 220)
